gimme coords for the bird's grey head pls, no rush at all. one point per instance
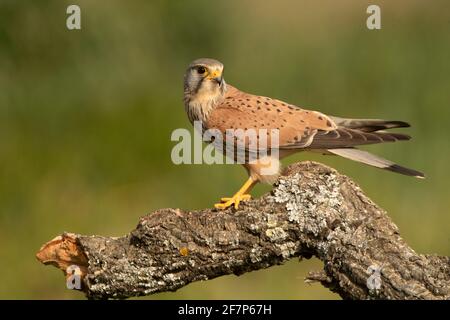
(204, 75)
(203, 86)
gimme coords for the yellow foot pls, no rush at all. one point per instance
(236, 199)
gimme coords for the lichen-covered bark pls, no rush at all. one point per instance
(312, 211)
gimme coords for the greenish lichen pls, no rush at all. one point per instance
(256, 254)
(276, 234)
(272, 220)
(287, 249)
(309, 204)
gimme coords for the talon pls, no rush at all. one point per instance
(222, 205)
(235, 200)
(241, 195)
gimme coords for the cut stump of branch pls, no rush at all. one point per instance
(311, 211)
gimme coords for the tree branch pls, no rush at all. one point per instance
(312, 211)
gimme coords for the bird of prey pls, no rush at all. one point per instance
(220, 106)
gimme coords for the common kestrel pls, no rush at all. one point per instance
(220, 106)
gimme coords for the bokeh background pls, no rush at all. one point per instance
(86, 118)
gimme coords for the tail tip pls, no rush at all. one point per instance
(407, 171)
(401, 124)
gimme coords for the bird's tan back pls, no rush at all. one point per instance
(240, 110)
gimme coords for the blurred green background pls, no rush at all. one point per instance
(86, 118)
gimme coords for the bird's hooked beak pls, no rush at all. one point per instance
(216, 76)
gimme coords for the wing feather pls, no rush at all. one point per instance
(298, 128)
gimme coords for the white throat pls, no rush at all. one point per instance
(200, 104)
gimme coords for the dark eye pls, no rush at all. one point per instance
(201, 70)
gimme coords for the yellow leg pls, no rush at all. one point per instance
(239, 196)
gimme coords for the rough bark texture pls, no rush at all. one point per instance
(312, 211)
